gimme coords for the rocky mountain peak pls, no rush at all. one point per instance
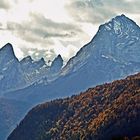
(119, 24)
(7, 55)
(7, 51)
(27, 59)
(117, 40)
(57, 63)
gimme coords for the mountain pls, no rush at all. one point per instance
(112, 54)
(34, 70)
(29, 64)
(116, 40)
(7, 54)
(50, 73)
(27, 61)
(55, 69)
(10, 69)
(39, 71)
(57, 64)
(15, 74)
(11, 112)
(106, 112)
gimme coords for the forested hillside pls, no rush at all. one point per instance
(109, 111)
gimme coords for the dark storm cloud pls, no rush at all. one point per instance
(40, 28)
(4, 4)
(98, 11)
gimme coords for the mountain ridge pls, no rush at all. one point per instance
(102, 28)
(26, 72)
(107, 57)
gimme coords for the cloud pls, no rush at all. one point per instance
(98, 11)
(46, 35)
(53, 29)
(42, 28)
(4, 4)
(36, 54)
(1, 29)
(60, 28)
(88, 11)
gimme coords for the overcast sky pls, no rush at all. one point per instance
(46, 28)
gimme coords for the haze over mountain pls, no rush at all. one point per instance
(11, 112)
(101, 113)
(112, 54)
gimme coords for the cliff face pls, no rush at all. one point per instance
(102, 113)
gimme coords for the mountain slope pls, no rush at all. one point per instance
(101, 113)
(112, 54)
(117, 39)
(39, 72)
(11, 112)
(33, 70)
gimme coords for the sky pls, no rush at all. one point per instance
(46, 28)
